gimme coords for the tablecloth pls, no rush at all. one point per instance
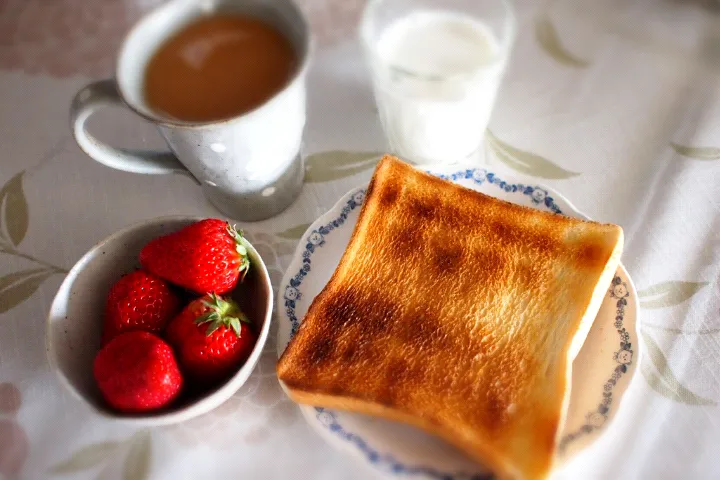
(615, 103)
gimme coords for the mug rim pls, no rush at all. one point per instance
(308, 43)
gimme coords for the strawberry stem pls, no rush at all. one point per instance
(222, 313)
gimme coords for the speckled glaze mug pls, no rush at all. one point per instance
(249, 166)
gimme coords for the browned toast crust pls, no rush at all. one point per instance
(455, 312)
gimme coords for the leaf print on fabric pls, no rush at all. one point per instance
(6, 248)
(14, 216)
(336, 164)
(137, 462)
(698, 153)
(136, 465)
(668, 294)
(681, 331)
(14, 221)
(549, 40)
(526, 162)
(294, 233)
(677, 392)
(12, 278)
(665, 382)
(17, 287)
(87, 457)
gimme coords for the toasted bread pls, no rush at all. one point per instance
(458, 313)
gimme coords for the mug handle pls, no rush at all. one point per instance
(104, 93)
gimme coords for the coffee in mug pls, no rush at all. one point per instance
(218, 67)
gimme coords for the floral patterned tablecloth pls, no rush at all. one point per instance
(615, 103)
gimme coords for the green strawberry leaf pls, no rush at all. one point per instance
(208, 317)
(213, 327)
(242, 246)
(242, 317)
(224, 313)
(235, 324)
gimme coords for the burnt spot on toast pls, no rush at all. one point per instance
(453, 218)
(425, 208)
(350, 354)
(425, 333)
(397, 371)
(447, 259)
(406, 241)
(365, 313)
(321, 349)
(543, 243)
(397, 375)
(495, 410)
(389, 194)
(593, 255)
(407, 372)
(492, 265)
(503, 231)
(538, 239)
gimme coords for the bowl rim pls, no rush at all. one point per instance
(198, 407)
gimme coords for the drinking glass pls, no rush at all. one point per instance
(436, 68)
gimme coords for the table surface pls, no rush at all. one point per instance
(614, 103)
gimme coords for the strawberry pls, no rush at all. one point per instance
(137, 372)
(212, 338)
(207, 256)
(139, 301)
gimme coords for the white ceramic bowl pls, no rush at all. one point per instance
(76, 318)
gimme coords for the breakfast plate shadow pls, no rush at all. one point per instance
(601, 371)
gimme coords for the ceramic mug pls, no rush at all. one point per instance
(249, 166)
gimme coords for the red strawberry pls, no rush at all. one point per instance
(137, 372)
(139, 301)
(207, 256)
(212, 338)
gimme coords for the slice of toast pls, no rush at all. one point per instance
(458, 313)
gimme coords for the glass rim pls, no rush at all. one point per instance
(365, 34)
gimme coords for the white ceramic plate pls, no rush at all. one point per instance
(601, 371)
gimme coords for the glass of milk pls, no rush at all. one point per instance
(436, 67)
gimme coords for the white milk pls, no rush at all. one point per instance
(436, 75)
